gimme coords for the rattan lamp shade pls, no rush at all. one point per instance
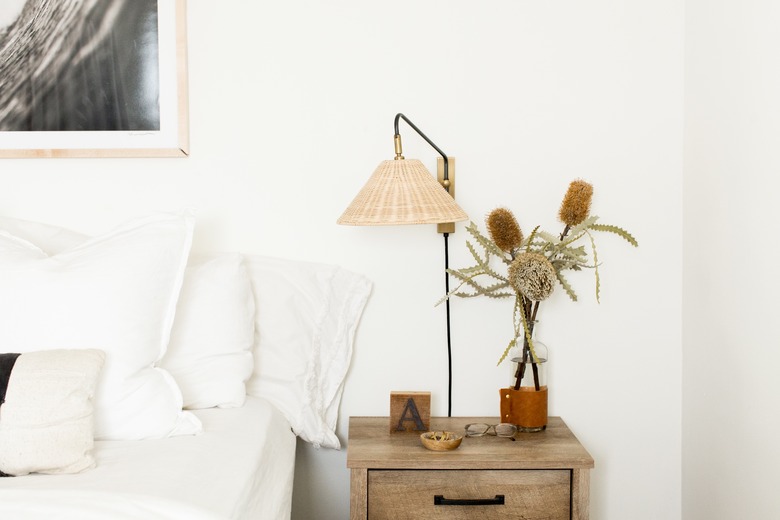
(402, 192)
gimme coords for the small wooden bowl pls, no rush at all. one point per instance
(441, 441)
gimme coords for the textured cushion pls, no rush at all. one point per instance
(116, 293)
(307, 315)
(209, 354)
(46, 419)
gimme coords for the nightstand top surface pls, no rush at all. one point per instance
(371, 445)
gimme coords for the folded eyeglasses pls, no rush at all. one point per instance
(507, 430)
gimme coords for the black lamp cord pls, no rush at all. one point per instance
(449, 336)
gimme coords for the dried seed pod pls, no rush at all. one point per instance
(576, 203)
(504, 229)
(533, 275)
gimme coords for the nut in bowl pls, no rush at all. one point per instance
(441, 441)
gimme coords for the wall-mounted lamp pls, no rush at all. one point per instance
(403, 191)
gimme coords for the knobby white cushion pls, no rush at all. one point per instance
(115, 293)
(307, 315)
(46, 421)
(210, 351)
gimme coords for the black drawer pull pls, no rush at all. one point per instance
(439, 500)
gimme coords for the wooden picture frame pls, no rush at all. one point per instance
(111, 119)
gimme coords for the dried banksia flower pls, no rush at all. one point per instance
(504, 229)
(576, 204)
(533, 275)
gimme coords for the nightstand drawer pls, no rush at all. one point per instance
(490, 494)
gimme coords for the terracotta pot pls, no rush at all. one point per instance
(526, 408)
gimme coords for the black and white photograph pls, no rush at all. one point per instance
(83, 74)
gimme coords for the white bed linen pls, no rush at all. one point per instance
(240, 467)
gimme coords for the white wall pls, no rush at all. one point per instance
(731, 388)
(292, 106)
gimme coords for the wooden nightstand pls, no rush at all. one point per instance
(542, 475)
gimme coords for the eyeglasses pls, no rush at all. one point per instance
(501, 430)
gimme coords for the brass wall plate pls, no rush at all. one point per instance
(447, 227)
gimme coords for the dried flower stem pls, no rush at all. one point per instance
(565, 232)
(530, 309)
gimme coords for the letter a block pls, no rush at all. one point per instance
(410, 411)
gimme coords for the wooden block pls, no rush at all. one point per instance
(410, 411)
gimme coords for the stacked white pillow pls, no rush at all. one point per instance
(289, 324)
(210, 352)
(116, 293)
(307, 315)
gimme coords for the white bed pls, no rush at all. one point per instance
(145, 383)
(240, 466)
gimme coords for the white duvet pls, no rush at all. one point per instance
(240, 467)
(26, 504)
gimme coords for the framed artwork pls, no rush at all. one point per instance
(93, 78)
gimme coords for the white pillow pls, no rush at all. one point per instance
(46, 419)
(307, 315)
(116, 293)
(209, 353)
(51, 239)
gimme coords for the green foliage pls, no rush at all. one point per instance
(566, 286)
(470, 278)
(595, 266)
(565, 252)
(616, 230)
(512, 344)
(483, 279)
